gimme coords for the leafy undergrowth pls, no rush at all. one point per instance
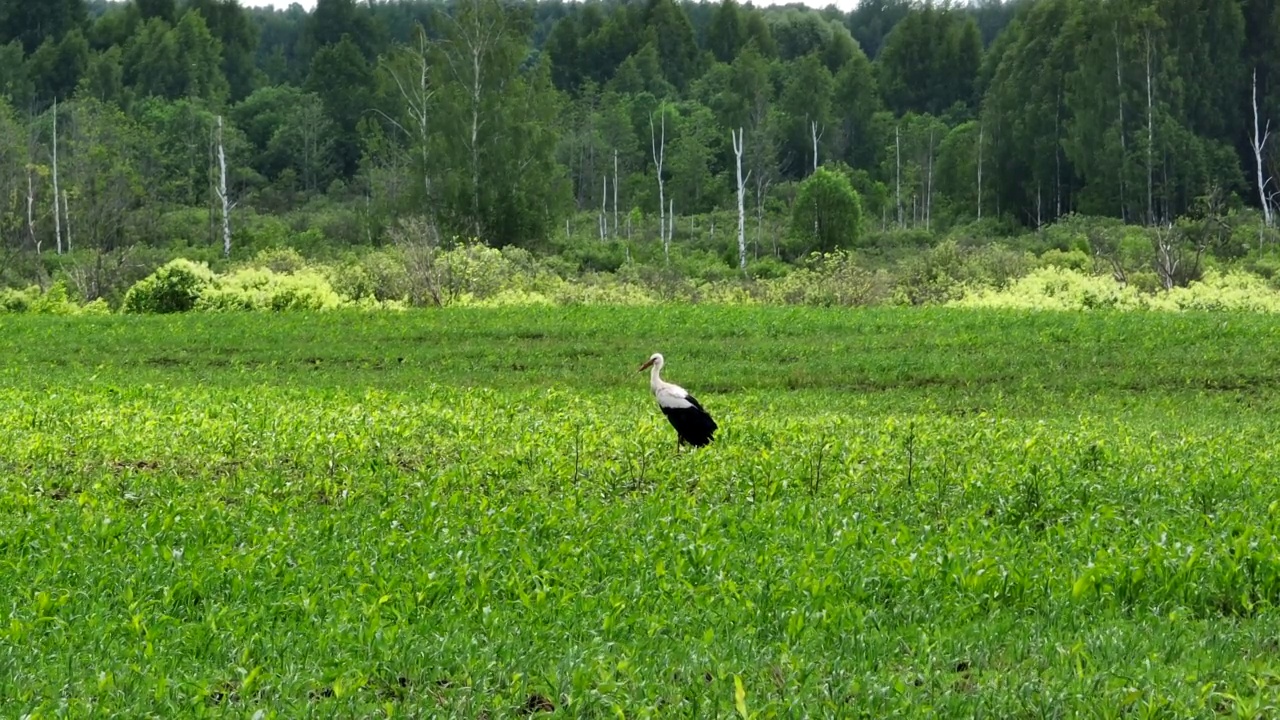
(430, 518)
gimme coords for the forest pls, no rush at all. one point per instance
(608, 133)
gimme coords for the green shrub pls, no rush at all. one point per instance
(1067, 259)
(1054, 288)
(280, 260)
(54, 301)
(827, 279)
(264, 289)
(381, 275)
(827, 212)
(767, 268)
(175, 287)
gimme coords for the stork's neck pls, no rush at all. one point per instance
(655, 381)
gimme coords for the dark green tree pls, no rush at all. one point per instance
(827, 213)
(930, 61)
(669, 31)
(229, 23)
(32, 22)
(166, 10)
(344, 83)
(727, 33)
(805, 104)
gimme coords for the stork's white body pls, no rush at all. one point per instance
(693, 424)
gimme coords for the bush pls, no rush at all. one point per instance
(264, 289)
(1066, 259)
(54, 301)
(280, 260)
(828, 279)
(1053, 288)
(827, 212)
(174, 287)
(381, 276)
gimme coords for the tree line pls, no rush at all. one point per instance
(501, 120)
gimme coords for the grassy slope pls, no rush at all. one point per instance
(471, 511)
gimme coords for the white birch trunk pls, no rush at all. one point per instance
(57, 216)
(615, 192)
(659, 149)
(417, 97)
(739, 142)
(222, 194)
(813, 131)
(1259, 143)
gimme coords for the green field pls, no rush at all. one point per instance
(482, 514)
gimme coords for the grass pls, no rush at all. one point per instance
(481, 514)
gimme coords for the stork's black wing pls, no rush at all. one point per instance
(694, 424)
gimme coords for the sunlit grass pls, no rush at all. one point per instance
(482, 514)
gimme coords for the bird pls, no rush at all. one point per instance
(692, 423)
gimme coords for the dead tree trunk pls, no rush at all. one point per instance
(222, 194)
(739, 143)
(1259, 143)
(817, 135)
(1168, 259)
(659, 148)
(417, 94)
(57, 216)
(615, 192)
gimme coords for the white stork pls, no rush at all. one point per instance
(693, 425)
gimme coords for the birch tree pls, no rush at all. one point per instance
(738, 147)
(412, 78)
(658, 145)
(223, 197)
(57, 215)
(1259, 144)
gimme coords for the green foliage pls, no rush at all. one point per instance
(498, 120)
(930, 60)
(53, 301)
(827, 212)
(1061, 288)
(480, 511)
(829, 280)
(941, 274)
(264, 289)
(175, 287)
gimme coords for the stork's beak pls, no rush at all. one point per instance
(646, 365)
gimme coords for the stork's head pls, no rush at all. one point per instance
(654, 360)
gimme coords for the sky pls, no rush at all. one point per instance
(308, 4)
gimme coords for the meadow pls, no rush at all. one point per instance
(480, 513)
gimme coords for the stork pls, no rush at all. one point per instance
(692, 423)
